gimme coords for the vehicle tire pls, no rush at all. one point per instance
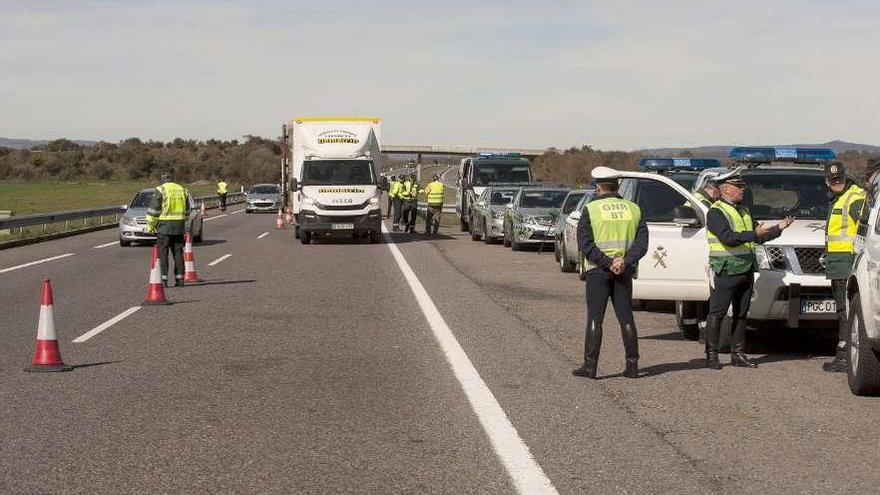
(248, 211)
(462, 225)
(582, 274)
(486, 237)
(124, 243)
(638, 305)
(305, 237)
(515, 245)
(687, 310)
(475, 235)
(198, 238)
(863, 369)
(505, 238)
(556, 250)
(296, 231)
(374, 237)
(565, 266)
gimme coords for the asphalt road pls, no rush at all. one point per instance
(314, 369)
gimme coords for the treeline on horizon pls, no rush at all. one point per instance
(256, 159)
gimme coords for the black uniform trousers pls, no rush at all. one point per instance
(174, 244)
(432, 219)
(731, 289)
(388, 210)
(222, 201)
(838, 289)
(397, 204)
(601, 286)
(409, 208)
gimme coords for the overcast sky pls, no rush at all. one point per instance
(612, 74)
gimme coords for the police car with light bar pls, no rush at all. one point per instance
(475, 173)
(682, 170)
(790, 285)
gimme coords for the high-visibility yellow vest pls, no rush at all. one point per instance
(221, 187)
(407, 190)
(614, 222)
(840, 231)
(434, 193)
(394, 190)
(174, 206)
(736, 259)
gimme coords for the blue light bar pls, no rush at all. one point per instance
(794, 155)
(678, 163)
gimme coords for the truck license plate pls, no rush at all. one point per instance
(342, 226)
(818, 306)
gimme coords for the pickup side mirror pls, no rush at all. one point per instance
(294, 185)
(685, 216)
(575, 215)
(123, 207)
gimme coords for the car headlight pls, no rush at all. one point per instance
(762, 258)
(129, 221)
(498, 215)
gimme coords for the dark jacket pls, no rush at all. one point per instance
(587, 245)
(717, 223)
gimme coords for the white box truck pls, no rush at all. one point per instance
(334, 177)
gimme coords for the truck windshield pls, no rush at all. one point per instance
(542, 199)
(338, 173)
(772, 196)
(484, 173)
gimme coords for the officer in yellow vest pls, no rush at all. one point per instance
(392, 185)
(434, 197)
(222, 187)
(166, 216)
(840, 235)
(612, 237)
(408, 191)
(732, 236)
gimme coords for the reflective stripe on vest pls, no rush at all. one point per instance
(738, 223)
(173, 202)
(434, 192)
(841, 228)
(614, 222)
(407, 190)
(394, 190)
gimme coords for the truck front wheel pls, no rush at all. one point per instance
(863, 370)
(305, 237)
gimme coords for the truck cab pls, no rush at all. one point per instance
(863, 309)
(790, 285)
(475, 173)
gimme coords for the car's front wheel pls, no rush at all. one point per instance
(505, 236)
(863, 370)
(686, 318)
(124, 243)
(475, 234)
(486, 237)
(565, 265)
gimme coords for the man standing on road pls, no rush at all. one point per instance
(393, 202)
(222, 187)
(731, 235)
(408, 200)
(613, 237)
(166, 216)
(434, 197)
(840, 235)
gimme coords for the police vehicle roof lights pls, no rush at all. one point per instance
(781, 154)
(663, 164)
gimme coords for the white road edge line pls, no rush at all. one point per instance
(219, 260)
(216, 217)
(32, 263)
(236, 212)
(105, 245)
(104, 326)
(264, 234)
(523, 469)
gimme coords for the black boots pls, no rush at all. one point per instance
(631, 348)
(713, 332)
(592, 344)
(838, 364)
(738, 356)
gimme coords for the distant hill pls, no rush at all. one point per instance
(721, 151)
(26, 144)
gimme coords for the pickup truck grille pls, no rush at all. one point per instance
(809, 259)
(776, 255)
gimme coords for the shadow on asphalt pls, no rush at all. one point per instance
(89, 365)
(209, 242)
(220, 282)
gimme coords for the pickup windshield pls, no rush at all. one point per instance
(542, 199)
(485, 173)
(338, 173)
(772, 196)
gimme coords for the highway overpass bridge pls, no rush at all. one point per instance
(454, 150)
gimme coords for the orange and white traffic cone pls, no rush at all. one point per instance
(48, 355)
(279, 221)
(189, 261)
(156, 289)
(288, 217)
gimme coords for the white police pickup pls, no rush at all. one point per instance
(790, 285)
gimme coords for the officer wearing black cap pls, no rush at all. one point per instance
(732, 236)
(612, 238)
(844, 213)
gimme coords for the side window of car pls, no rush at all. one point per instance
(657, 200)
(626, 189)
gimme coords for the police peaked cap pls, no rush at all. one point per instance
(732, 177)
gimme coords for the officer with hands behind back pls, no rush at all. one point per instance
(612, 237)
(732, 236)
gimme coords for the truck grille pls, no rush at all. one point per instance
(344, 207)
(776, 255)
(810, 259)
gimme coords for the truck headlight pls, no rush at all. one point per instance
(762, 258)
(309, 201)
(374, 200)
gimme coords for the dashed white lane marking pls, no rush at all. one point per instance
(524, 471)
(32, 263)
(216, 217)
(236, 212)
(220, 259)
(264, 234)
(107, 324)
(105, 245)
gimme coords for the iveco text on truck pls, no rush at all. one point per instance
(333, 173)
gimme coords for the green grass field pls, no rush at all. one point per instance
(47, 196)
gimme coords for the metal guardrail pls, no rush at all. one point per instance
(46, 219)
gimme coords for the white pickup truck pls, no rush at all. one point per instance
(863, 294)
(790, 285)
